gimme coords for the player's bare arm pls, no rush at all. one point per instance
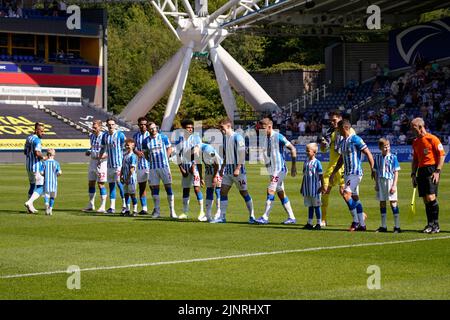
(394, 183)
(241, 160)
(291, 147)
(369, 156)
(437, 174)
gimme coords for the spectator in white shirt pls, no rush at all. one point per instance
(301, 127)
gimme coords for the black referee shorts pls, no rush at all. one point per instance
(425, 183)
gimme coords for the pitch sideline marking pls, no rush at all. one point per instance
(246, 255)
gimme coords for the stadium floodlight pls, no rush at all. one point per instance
(201, 35)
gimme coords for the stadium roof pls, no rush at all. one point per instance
(329, 17)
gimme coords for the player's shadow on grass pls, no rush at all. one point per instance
(149, 218)
(328, 229)
(16, 212)
(300, 227)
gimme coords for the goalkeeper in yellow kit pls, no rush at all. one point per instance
(331, 142)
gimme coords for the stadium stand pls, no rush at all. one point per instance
(17, 122)
(424, 91)
(83, 116)
(381, 108)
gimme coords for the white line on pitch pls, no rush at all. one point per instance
(246, 255)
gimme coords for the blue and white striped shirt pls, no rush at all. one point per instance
(234, 145)
(50, 170)
(273, 151)
(32, 144)
(386, 166)
(210, 156)
(96, 144)
(139, 140)
(350, 149)
(185, 149)
(113, 144)
(312, 169)
(157, 150)
(129, 160)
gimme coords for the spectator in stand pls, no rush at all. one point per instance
(372, 125)
(402, 139)
(408, 101)
(54, 9)
(279, 119)
(11, 13)
(394, 88)
(18, 5)
(404, 127)
(350, 99)
(301, 127)
(396, 123)
(313, 127)
(291, 126)
(400, 85)
(391, 138)
(62, 6)
(385, 120)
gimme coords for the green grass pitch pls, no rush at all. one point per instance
(37, 244)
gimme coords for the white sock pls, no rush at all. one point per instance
(33, 197)
(185, 205)
(103, 205)
(112, 204)
(92, 199)
(217, 204)
(156, 201)
(288, 209)
(383, 220)
(223, 208)
(124, 203)
(144, 208)
(361, 219)
(397, 220)
(200, 203)
(310, 221)
(134, 207)
(269, 204)
(249, 205)
(127, 206)
(209, 204)
(171, 201)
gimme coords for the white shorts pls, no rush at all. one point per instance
(98, 173)
(352, 182)
(142, 175)
(113, 174)
(50, 194)
(36, 178)
(209, 181)
(129, 188)
(156, 175)
(276, 181)
(384, 186)
(312, 201)
(240, 181)
(193, 179)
